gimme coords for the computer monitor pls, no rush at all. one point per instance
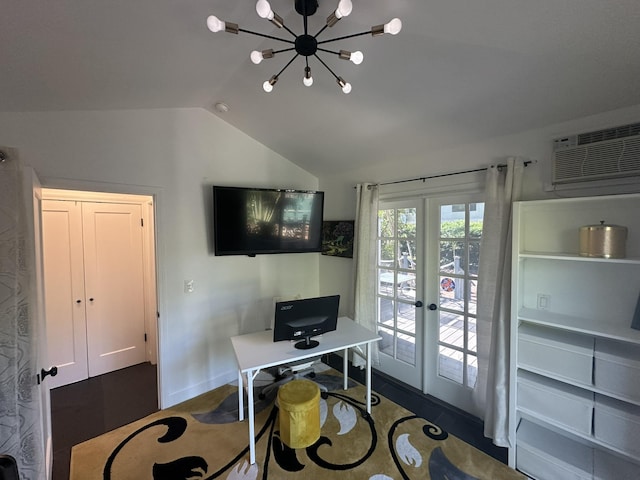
(305, 318)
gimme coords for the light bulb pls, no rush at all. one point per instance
(215, 24)
(268, 85)
(308, 81)
(393, 27)
(346, 88)
(344, 8)
(356, 57)
(256, 57)
(264, 9)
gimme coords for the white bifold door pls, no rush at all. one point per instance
(94, 287)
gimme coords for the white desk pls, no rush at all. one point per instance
(256, 351)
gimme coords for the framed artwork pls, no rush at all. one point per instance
(337, 238)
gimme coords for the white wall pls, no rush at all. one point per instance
(335, 273)
(176, 155)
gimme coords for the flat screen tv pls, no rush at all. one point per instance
(305, 318)
(253, 221)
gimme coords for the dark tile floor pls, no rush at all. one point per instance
(457, 422)
(89, 408)
(86, 409)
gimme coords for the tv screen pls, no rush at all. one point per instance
(252, 221)
(305, 318)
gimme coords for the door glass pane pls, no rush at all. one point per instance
(386, 223)
(406, 317)
(385, 312)
(472, 288)
(476, 214)
(407, 348)
(386, 281)
(452, 293)
(406, 286)
(387, 253)
(473, 339)
(474, 258)
(386, 344)
(472, 370)
(450, 364)
(452, 329)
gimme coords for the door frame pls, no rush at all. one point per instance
(154, 257)
(464, 184)
(32, 197)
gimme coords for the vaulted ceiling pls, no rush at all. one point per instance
(459, 71)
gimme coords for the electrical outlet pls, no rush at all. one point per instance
(543, 301)
(189, 286)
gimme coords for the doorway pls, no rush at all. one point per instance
(99, 265)
(92, 391)
(428, 251)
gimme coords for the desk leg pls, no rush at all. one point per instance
(240, 397)
(369, 377)
(252, 439)
(345, 368)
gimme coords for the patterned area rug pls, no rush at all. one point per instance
(202, 439)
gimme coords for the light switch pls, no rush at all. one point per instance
(189, 286)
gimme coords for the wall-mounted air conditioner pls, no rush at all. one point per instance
(611, 153)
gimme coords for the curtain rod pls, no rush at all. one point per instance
(484, 169)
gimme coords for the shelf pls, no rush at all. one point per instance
(598, 328)
(542, 447)
(562, 455)
(577, 258)
(546, 423)
(591, 388)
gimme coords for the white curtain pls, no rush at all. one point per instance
(491, 393)
(20, 418)
(364, 264)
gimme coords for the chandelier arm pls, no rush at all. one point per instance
(266, 36)
(284, 50)
(289, 30)
(287, 65)
(326, 66)
(368, 32)
(320, 31)
(328, 51)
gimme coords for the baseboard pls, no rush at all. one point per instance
(193, 391)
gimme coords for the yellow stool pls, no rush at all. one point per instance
(299, 403)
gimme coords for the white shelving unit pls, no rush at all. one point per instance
(575, 360)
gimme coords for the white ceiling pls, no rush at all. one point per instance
(460, 70)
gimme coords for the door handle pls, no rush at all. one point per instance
(53, 371)
(418, 304)
(432, 306)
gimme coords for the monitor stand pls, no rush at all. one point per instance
(306, 344)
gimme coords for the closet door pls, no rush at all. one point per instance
(64, 290)
(114, 286)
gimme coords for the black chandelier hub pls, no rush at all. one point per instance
(306, 45)
(306, 7)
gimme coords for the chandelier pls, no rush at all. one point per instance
(305, 45)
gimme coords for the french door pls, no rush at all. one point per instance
(428, 251)
(453, 251)
(399, 265)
